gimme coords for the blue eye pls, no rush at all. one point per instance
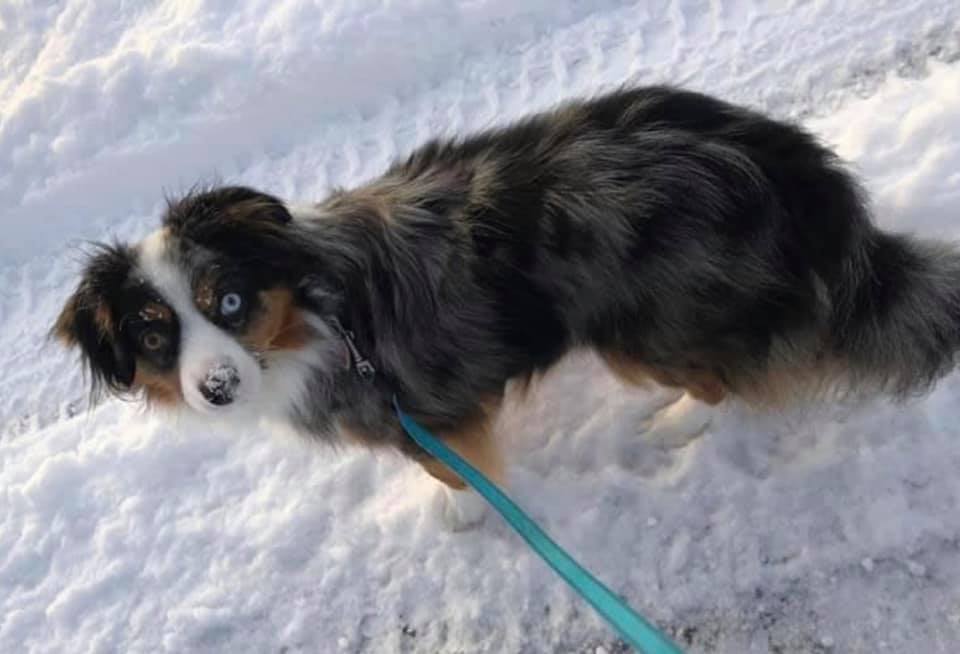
(230, 304)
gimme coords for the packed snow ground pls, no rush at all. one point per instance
(121, 532)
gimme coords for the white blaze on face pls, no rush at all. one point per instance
(216, 372)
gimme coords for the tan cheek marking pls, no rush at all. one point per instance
(279, 325)
(160, 388)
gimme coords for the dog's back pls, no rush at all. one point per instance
(696, 242)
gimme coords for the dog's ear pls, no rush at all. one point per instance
(246, 226)
(87, 322)
(240, 203)
(201, 208)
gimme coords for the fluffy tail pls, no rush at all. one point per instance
(896, 316)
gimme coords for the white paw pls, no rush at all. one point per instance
(679, 423)
(458, 510)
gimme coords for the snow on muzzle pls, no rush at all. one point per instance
(219, 388)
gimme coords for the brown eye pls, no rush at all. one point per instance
(152, 341)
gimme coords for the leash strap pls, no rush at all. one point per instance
(634, 629)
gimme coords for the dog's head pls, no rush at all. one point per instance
(198, 310)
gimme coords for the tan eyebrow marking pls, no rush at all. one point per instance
(203, 295)
(154, 311)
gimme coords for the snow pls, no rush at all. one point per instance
(835, 530)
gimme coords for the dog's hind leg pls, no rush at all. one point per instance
(685, 419)
(458, 506)
(679, 423)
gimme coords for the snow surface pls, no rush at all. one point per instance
(120, 532)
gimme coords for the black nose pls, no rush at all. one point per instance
(220, 386)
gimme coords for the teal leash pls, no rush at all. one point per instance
(642, 635)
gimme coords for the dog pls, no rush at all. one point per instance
(685, 240)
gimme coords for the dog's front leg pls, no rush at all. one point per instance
(458, 506)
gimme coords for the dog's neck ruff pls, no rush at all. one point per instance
(360, 364)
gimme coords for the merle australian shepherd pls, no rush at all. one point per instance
(685, 240)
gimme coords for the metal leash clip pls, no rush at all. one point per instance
(361, 364)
